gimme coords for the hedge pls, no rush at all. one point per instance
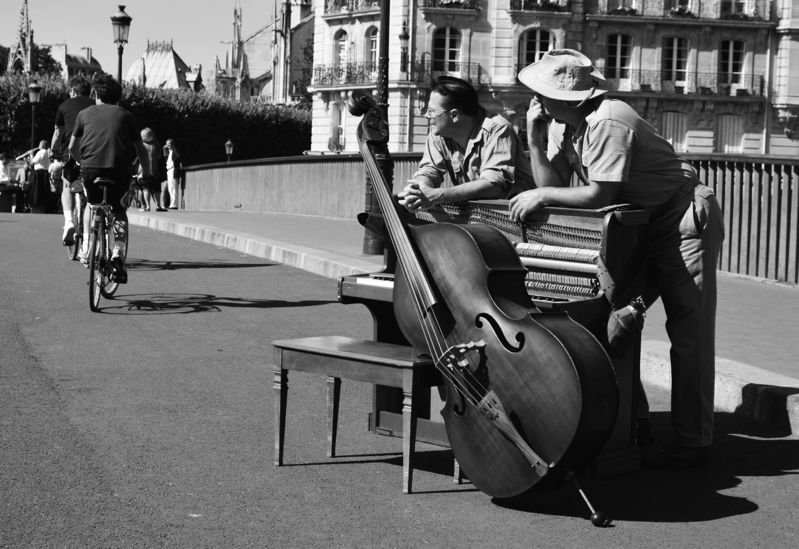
(200, 123)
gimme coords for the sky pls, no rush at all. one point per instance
(197, 28)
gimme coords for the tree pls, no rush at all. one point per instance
(43, 62)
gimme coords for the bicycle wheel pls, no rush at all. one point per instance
(97, 254)
(109, 287)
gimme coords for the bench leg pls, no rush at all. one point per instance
(408, 431)
(457, 474)
(280, 385)
(333, 392)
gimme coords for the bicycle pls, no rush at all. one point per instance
(101, 244)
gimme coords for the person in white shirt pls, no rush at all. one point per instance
(39, 194)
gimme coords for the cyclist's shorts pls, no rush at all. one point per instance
(71, 173)
(94, 193)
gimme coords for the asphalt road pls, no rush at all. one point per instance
(149, 424)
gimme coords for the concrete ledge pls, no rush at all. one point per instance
(745, 390)
(308, 259)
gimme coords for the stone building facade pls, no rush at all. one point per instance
(711, 75)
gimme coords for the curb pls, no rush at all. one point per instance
(741, 389)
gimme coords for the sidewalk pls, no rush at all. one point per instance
(757, 371)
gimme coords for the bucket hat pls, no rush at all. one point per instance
(564, 74)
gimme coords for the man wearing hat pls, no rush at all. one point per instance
(479, 152)
(620, 158)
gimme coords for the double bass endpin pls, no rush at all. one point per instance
(598, 518)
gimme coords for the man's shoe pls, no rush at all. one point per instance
(68, 238)
(83, 256)
(118, 272)
(677, 457)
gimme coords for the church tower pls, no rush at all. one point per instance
(20, 58)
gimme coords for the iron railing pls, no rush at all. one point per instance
(348, 73)
(539, 5)
(760, 201)
(427, 70)
(345, 6)
(686, 82)
(451, 4)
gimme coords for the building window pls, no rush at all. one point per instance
(533, 44)
(730, 7)
(731, 61)
(673, 128)
(372, 45)
(340, 49)
(729, 133)
(446, 49)
(337, 141)
(618, 56)
(675, 59)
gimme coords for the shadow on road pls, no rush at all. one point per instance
(141, 265)
(687, 495)
(193, 303)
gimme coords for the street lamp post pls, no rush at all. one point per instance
(229, 149)
(403, 38)
(121, 26)
(34, 93)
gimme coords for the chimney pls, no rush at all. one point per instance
(87, 54)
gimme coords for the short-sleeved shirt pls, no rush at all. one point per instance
(493, 154)
(615, 144)
(107, 135)
(65, 118)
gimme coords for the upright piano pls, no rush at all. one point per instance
(583, 262)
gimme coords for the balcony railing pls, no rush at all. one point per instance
(349, 73)
(539, 5)
(749, 11)
(333, 7)
(701, 83)
(425, 71)
(451, 4)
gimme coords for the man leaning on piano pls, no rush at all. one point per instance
(573, 129)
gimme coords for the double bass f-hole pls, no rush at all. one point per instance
(500, 335)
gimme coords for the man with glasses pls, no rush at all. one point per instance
(478, 152)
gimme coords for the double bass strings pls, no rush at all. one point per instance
(467, 385)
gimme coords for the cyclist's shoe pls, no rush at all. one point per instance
(83, 256)
(68, 238)
(118, 272)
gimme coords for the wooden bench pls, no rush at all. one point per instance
(362, 360)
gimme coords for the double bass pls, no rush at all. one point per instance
(530, 397)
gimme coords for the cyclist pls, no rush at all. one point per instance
(79, 90)
(106, 140)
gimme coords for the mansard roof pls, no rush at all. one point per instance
(159, 67)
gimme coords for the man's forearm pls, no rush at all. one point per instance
(544, 173)
(471, 190)
(56, 139)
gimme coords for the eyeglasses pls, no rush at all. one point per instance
(430, 116)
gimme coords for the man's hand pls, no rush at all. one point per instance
(537, 123)
(524, 203)
(416, 196)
